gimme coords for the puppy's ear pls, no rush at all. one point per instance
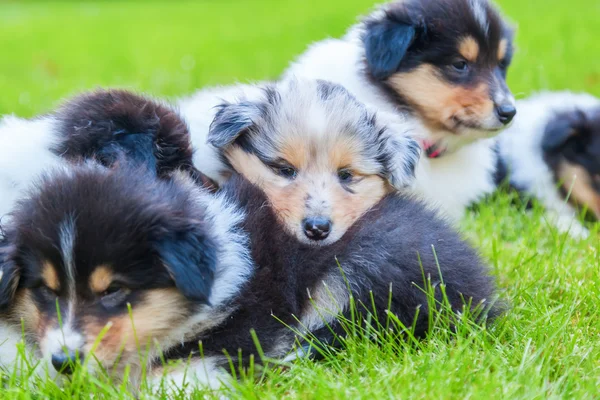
(191, 258)
(231, 121)
(562, 128)
(401, 156)
(386, 41)
(9, 275)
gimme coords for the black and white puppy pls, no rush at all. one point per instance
(552, 153)
(93, 124)
(442, 65)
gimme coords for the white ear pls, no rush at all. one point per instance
(403, 156)
(401, 151)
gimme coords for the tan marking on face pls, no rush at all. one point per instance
(50, 276)
(440, 103)
(502, 47)
(152, 321)
(101, 279)
(578, 181)
(317, 164)
(26, 311)
(469, 48)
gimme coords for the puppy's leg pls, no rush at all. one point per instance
(200, 373)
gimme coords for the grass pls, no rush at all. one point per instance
(547, 346)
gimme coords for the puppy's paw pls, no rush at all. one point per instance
(571, 225)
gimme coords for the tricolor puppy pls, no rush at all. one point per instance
(321, 157)
(443, 65)
(105, 268)
(89, 125)
(552, 153)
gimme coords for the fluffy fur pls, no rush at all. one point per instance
(320, 155)
(90, 125)
(94, 241)
(378, 256)
(202, 270)
(442, 65)
(553, 150)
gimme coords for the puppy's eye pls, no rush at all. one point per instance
(114, 296)
(345, 175)
(287, 172)
(48, 293)
(460, 65)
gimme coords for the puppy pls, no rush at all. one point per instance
(125, 269)
(552, 153)
(441, 64)
(321, 156)
(90, 125)
(106, 268)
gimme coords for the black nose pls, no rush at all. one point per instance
(64, 362)
(506, 113)
(317, 228)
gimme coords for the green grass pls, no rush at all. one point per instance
(547, 345)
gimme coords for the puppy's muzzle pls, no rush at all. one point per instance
(317, 228)
(506, 112)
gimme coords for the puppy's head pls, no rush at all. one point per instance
(105, 124)
(446, 60)
(571, 146)
(105, 262)
(319, 155)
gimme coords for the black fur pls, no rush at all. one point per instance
(382, 248)
(103, 123)
(150, 232)
(574, 137)
(416, 32)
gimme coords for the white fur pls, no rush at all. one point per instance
(24, 154)
(199, 111)
(461, 176)
(521, 149)
(328, 299)
(200, 373)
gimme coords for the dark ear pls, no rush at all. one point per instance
(562, 128)
(401, 155)
(9, 275)
(191, 259)
(386, 42)
(232, 120)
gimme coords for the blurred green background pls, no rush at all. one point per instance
(51, 49)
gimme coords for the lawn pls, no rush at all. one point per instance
(546, 346)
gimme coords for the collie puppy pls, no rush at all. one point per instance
(104, 268)
(89, 125)
(552, 153)
(321, 157)
(442, 64)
